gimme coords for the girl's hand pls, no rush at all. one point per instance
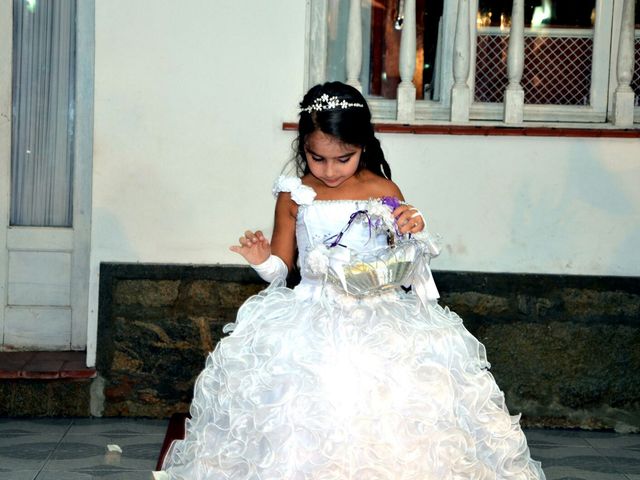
(254, 247)
(409, 219)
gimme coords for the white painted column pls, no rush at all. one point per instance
(354, 45)
(624, 95)
(514, 94)
(6, 51)
(460, 93)
(83, 174)
(406, 89)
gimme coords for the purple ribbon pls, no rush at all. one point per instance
(391, 202)
(335, 239)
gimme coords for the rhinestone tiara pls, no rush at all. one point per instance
(325, 102)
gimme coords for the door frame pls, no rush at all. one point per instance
(83, 164)
(6, 49)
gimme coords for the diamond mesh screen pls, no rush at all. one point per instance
(491, 68)
(557, 70)
(635, 81)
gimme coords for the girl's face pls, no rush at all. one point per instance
(330, 160)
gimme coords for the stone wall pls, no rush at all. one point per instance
(156, 326)
(45, 398)
(565, 349)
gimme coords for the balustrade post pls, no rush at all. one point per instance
(317, 64)
(354, 45)
(624, 95)
(406, 89)
(514, 93)
(460, 92)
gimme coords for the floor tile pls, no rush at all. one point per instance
(26, 452)
(575, 473)
(64, 475)
(49, 365)
(118, 427)
(614, 440)
(16, 426)
(17, 474)
(586, 459)
(560, 438)
(14, 360)
(76, 449)
(625, 461)
(97, 475)
(83, 453)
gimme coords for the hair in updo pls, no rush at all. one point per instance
(351, 125)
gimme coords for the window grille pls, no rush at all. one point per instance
(557, 69)
(567, 71)
(635, 81)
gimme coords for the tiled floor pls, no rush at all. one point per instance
(63, 449)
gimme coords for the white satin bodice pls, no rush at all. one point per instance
(319, 220)
(323, 219)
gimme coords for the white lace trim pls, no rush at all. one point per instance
(301, 194)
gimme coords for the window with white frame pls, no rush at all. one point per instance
(43, 107)
(571, 60)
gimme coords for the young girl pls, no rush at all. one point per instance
(349, 375)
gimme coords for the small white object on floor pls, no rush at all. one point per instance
(160, 476)
(113, 455)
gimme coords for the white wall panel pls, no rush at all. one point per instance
(39, 278)
(39, 238)
(40, 327)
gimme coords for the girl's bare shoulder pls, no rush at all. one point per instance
(378, 186)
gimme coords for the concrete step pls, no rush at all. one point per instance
(45, 384)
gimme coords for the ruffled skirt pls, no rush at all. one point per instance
(381, 388)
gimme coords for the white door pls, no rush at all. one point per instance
(45, 179)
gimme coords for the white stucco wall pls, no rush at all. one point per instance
(520, 204)
(190, 100)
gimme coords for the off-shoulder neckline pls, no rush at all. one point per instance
(300, 185)
(346, 200)
(339, 200)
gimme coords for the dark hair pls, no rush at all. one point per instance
(351, 125)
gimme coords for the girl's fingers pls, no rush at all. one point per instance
(406, 219)
(250, 240)
(249, 235)
(409, 219)
(397, 213)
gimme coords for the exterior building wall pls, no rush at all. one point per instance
(189, 106)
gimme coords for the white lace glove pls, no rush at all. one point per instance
(273, 268)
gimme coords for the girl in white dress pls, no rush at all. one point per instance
(351, 374)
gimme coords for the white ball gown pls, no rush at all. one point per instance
(315, 384)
